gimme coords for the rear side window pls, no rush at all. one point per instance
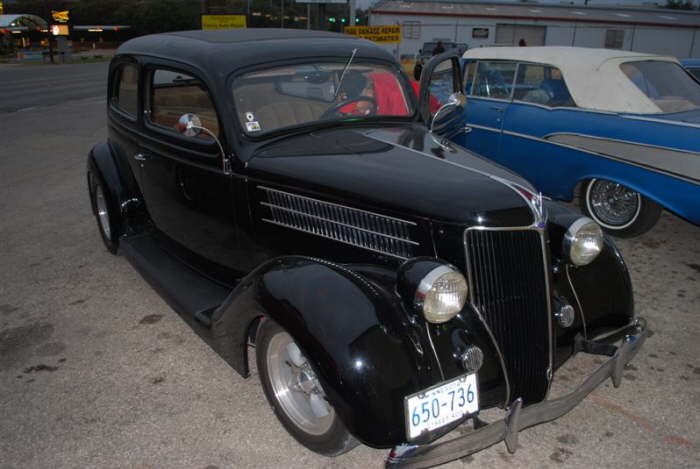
(125, 96)
(173, 94)
(494, 79)
(542, 84)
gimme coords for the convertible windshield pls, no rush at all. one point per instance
(302, 94)
(665, 83)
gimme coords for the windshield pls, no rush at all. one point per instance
(303, 94)
(666, 84)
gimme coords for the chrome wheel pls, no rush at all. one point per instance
(102, 211)
(612, 205)
(296, 387)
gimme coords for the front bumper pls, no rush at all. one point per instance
(519, 418)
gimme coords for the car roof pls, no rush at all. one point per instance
(226, 50)
(593, 75)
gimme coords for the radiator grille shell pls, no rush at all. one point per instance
(509, 287)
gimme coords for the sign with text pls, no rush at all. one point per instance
(60, 16)
(223, 21)
(382, 34)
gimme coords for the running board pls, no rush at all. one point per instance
(189, 293)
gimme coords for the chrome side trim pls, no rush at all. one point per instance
(598, 154)
(348, 225)
(660, 121)
(578, 302)
(514, 186)
(540, 229)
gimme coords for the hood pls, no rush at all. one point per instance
(400, 170)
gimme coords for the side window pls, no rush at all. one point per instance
(494, 79)
(541, 84)
(469, 72)
(173, 94)
(125, 97)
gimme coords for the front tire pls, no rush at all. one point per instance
(295, 394)
(104, 214)
(619, 210)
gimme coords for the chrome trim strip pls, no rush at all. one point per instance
(483, 127)
(601, 155)
(660, 121)
(543, 244)
(578, 302)
(305, 214)
(608, 139)
(514, 186)
(432, 346)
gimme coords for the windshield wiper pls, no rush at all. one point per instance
(342, 75)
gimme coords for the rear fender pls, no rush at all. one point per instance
(123, 196)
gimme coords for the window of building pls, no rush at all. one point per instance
(125, 97)
(411, 29)
(542, 84)
(494, 79)
(173, 94)
(614, 38)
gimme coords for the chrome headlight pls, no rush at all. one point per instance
(441, 294)
(583, 241)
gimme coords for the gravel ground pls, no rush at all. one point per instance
(97, 371)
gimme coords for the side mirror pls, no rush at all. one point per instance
(455, 102)
(190, 125)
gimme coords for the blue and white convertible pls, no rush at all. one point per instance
(619, 129)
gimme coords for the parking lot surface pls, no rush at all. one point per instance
(97, 371)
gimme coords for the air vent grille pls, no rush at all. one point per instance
(360, 228)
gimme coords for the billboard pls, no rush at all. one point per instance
(381, 34)
(59, 29)
(223, 21)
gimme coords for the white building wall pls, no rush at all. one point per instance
(679, 42)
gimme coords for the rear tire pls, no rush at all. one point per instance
(107, 220)
(289, 382)
(617, 209)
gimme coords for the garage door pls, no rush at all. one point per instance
(511, 34)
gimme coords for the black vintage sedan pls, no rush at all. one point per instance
(294, 191)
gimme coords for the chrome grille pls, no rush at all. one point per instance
(360, 228)
(509, 286)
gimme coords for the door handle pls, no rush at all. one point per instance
(140, 157)
(467, 129)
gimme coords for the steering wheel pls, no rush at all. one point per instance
(335, 110)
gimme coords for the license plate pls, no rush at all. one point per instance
(440, 405)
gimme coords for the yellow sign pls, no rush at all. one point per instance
(1, 8)
(60, 16)
(384, 34)
(223, 21)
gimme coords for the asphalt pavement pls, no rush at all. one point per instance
(96, 371)
(28, 86)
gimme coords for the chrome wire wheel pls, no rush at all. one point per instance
(296, 387)
(102, 211)
(612, 205)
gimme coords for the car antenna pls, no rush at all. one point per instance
(342, 75)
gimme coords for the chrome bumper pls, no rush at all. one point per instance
(519, 418)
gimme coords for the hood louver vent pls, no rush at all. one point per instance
(360, 228)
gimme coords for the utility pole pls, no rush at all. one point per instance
(47, 14)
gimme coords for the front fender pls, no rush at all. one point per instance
(355, 334)
(601, 292)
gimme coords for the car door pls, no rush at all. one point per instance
(187, 192)
(541, 105)
(489, 91)
(441, 97)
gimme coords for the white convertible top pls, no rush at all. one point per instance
(593, 76)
